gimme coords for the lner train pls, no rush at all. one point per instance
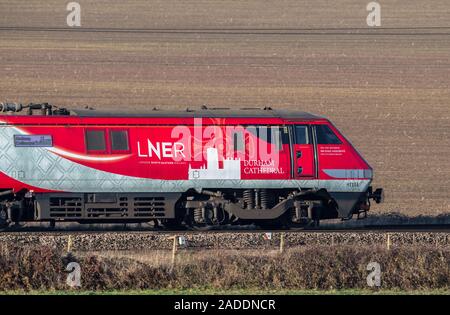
(194, 168)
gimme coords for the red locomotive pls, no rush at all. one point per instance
(196, 168)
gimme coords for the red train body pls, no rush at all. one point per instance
(197, 168)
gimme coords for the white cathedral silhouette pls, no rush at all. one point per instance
(231, 168)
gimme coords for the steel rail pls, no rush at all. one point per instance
(407, 228)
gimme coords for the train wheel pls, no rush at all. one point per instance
(276, 224)
(173, 224)
(202, 227)
(3, 218)
(208, 219)
(283, 222)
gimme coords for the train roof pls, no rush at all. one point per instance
(201, 113)
(44, 113)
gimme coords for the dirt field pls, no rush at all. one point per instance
(388, 90)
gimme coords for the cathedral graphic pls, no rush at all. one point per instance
(231, 168)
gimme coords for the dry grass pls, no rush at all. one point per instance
(322, 268)
(159, 258)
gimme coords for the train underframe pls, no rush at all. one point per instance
(276, 208)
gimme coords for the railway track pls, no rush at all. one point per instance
(397, 228)
(147, 240)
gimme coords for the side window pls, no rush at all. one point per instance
(119, 140)
(238, 141)
(271, 134)
(95, 141)
(276, 135)
(301, 134)
(326, 136)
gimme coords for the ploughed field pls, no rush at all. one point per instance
(387, 90)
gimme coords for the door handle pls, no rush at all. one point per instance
(299, 154)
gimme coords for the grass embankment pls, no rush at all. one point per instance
(229, 292)
(308, 270)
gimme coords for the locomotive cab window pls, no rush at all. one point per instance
(326, 136)
(119, 140)
(95, 141)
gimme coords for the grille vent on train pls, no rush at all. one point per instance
(149, 206)
(115, 210)
(65, 207)
(101, 206)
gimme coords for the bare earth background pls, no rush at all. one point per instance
(387, 90)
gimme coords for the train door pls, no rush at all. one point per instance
(303, 152)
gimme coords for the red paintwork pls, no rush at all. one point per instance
(339, 156)
(68, 134)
